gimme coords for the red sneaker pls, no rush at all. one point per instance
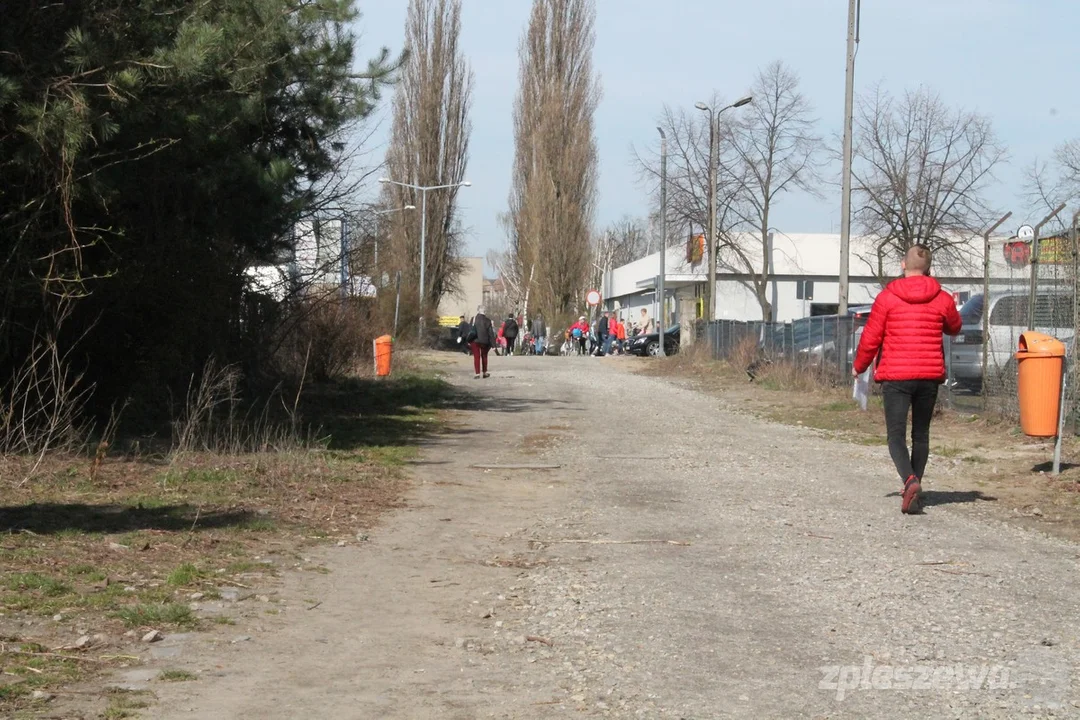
(910, 503)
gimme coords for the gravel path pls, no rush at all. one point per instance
(791, 586)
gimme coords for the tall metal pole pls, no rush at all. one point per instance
(423, 263)
(1035, 265)
(660, 320)
(713, 161)
(397, 302)
(986, 300)
(344, 257)
(845, 194)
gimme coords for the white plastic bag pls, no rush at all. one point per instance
(861, 392)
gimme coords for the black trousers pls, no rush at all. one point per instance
(918, 397)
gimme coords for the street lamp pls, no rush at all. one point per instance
(663, 238)
(714, 132)
(423, 190)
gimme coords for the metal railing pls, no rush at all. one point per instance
(826, 344)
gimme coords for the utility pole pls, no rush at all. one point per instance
(663, 239)
(854, 8)
(713, 162)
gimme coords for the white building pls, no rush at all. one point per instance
(315, 262)
(804, 279)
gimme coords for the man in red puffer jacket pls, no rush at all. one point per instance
(906, 326)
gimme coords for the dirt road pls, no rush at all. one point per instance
(683, 561)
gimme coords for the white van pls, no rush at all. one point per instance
(1008, 319)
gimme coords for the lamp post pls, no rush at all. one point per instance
(663, 239)
(714, 132)
(423, 190)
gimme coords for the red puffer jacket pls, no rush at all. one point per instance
(906, 325)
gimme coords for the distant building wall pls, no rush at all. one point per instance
(469, 295)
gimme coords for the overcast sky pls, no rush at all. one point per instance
(1010, 59)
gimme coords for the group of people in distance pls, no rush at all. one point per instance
(609, 334)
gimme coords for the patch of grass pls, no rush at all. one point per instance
(185, 574)
(838, 406)
(247, 566)
(164, 614)
(258, 524)
(121, 707)
(49, 587)
(948, 451)
(202, 476)
(223, 620)
(177, 676)
(975, 459)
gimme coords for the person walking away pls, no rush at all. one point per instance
(603, 334)
(482, 338)
(510, 332)
(539, 332)
(904, 333)
(464, 327)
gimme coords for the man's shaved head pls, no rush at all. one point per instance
(917, 259)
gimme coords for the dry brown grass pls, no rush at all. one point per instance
(110, 544)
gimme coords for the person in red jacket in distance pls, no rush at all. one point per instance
(904, 333)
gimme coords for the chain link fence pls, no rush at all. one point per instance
(822, 346)
(1025, 291)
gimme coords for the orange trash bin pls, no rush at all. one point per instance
(384, 353)
(1040, 365)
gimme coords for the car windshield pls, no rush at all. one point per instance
(972, 311)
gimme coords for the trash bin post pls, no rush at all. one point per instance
(1061, 419)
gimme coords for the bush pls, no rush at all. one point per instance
(324, 338)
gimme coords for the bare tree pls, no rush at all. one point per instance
(776, 150)
(688, 174)
(555, 161)
(624, 241)
(919, 176)
(762, 155)
(429, 145)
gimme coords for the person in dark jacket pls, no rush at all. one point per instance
(510, 332)
(904, 333)
(463, 329)
(603, 334)
(539, 333)
(482, 342)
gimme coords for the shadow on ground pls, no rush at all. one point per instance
(1048, 466)
(49, 518)
(953, 497)
(928, 498)
(358, 413)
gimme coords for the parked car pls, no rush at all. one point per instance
(816, 340)
(1008, 319)
(650, 344)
